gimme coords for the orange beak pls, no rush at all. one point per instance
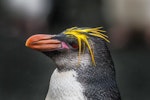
(43, 42)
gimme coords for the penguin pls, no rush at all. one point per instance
(84, 67)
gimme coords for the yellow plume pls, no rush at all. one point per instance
(82, 35)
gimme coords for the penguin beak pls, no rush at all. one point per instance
(43, 42)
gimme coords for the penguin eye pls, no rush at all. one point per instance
(75, 46)
(73, 43)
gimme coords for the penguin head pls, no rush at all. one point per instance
(72, 48)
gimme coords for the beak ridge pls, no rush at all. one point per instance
(43, 42)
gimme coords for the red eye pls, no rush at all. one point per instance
(75, 46)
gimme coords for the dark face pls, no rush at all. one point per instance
(63, 49)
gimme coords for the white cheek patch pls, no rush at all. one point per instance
(64, 86)
(74, 60)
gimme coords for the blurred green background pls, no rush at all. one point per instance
(24, 73)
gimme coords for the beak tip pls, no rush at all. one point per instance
(27, 43)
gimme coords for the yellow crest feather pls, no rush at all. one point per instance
(82, 35)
